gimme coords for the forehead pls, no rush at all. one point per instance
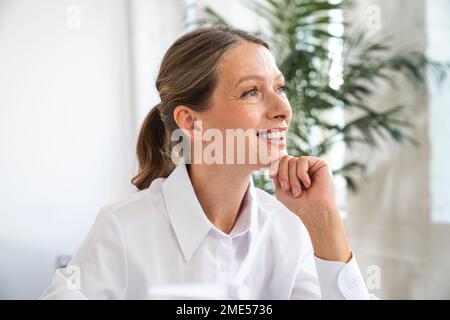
(247, 59)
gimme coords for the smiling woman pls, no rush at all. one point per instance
(197, 223)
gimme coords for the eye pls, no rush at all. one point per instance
(282, 89)
(250, 93)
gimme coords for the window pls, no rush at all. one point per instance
(438, 28)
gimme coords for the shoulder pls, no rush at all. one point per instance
(137, 207)
(122, 224)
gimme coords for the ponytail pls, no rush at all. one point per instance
(153, 150)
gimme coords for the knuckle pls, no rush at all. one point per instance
(303, 158)
(325, 162)
(284, 161)
(292, 162)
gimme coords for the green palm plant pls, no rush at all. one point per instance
(300, 37)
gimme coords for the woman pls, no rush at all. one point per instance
(195, 222)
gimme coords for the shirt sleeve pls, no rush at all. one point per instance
(329, 280)
(98, 270)
(340, 280)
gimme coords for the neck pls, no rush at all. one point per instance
(220, 190)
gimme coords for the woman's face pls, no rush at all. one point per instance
(250, 95)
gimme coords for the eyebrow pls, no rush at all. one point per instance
(257, 77)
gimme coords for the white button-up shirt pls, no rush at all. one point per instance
(160, 239)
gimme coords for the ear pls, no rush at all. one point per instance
(185, 118)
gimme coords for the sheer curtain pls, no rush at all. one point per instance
(390, 220)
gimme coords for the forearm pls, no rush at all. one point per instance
(329, 240)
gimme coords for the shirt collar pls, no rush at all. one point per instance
(248, 213)
(186, 214)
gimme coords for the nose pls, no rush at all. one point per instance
(279, 108)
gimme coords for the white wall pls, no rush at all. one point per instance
(155, 25)
(236, 13)
(69, 111)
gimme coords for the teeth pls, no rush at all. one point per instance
(271, 135)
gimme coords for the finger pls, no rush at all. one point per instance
(315, 164)
(273, 169)
(302, 171)
(293, 179)
(283, 176)
(276, 183)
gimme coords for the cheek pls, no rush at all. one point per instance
(245, 120)
(235, 113)
(245, 116)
